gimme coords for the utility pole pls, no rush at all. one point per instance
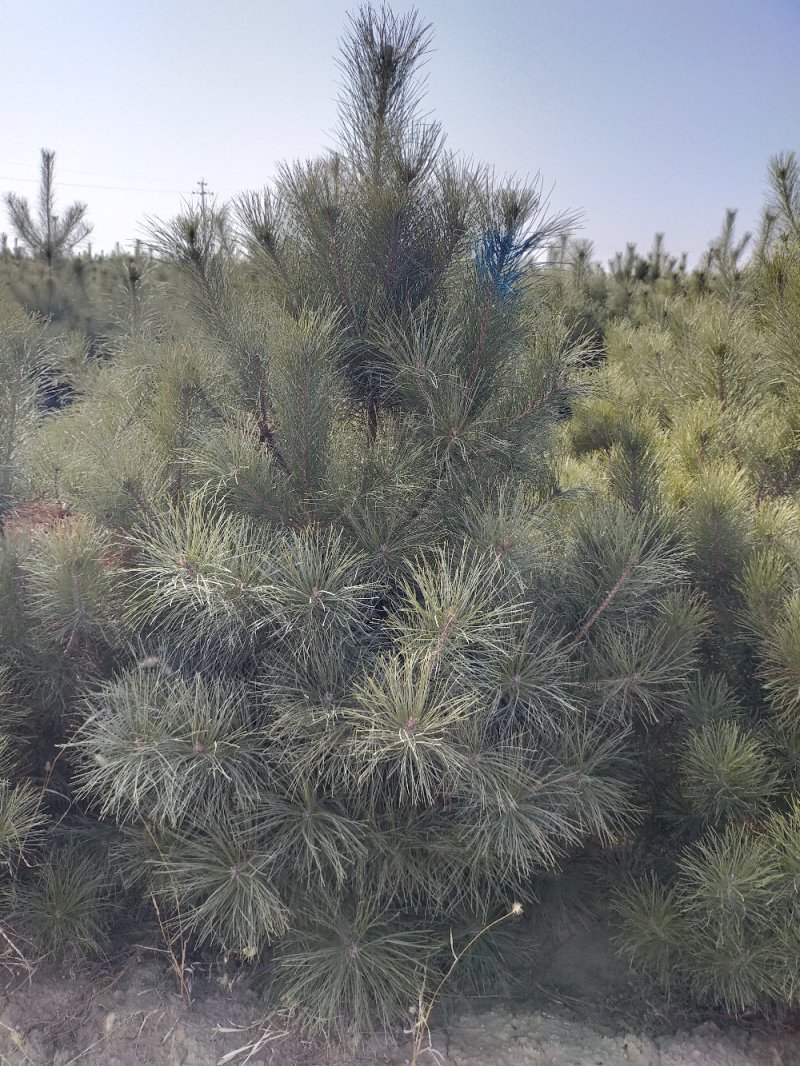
(203, 191)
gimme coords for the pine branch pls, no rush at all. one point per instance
(607, 600)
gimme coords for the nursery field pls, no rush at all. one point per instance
(399, 622)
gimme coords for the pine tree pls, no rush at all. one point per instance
(333, 655)
(47, 235)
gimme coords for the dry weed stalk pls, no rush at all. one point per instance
(421, 1031)
(268, 1036)
(177, 960)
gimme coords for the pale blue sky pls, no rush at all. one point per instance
(644, 115)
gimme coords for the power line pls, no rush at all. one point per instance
(85, 185)
(94, 173)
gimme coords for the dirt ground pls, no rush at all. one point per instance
(578, 1007)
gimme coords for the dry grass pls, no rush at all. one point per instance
(27, 520)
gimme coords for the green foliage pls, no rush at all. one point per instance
(731, 898)
(160, 746)
(693, 413)
(304, 592)
(653, 932)
(62, 907)
(21, 820)
(312, 587)
(726, 773)
(350, 970)
(216, 878)
(71, 583)
(22, 353)
(51, 234)
(782, 214)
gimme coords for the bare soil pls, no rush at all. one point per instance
(575, 1005)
